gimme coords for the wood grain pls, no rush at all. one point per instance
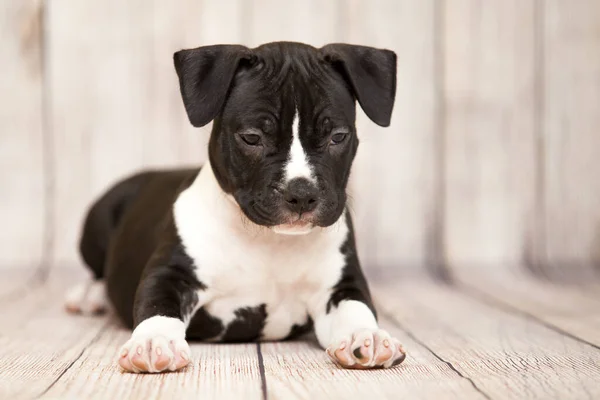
(394, 180)
(571, 115)
(16, 281)
(505, 355)
(45, 351)
(460, 345)
(490, 132)
(574, 309)
(492, 143)
(313, 22)
(96, 81)
(169, 138)
(216, 372)
(302, 370)
(39, 341)
(116, 106)
(21, 140)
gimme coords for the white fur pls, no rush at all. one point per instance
(87, 297)
(173, 328)
(153, 338)
(348, 317)
(352, 325)
(244, 265)
(293, 229)
(297, 165)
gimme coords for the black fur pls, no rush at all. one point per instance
(352, 285)
(372, 73)
(204, 326)
(205, 76)
(103, 219)
(248, 324)
(300, 330)
(144, 240)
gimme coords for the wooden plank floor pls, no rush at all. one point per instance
(479, 339)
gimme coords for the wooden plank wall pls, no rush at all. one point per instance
(22, 197)
(571, 136)
(489, 138)
(490, 160)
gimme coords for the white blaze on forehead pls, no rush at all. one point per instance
(297, 165)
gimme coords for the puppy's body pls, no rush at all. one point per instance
(253, 283)
(257, 244)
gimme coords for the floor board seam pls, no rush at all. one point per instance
(261, 369)
(91, 342)
(393, 319)
(493, 302)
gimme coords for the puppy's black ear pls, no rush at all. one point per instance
(205, 75)
(372, 74)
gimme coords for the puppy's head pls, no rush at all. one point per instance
(284, 134)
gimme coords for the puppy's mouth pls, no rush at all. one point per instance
(298, 225)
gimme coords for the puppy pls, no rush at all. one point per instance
(258, 243)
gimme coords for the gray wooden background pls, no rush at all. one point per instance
(492, 158)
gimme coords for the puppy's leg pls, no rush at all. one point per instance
(165, 301)
(346, 322)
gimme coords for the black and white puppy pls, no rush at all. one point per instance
(257, 244)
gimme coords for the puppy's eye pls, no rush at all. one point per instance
(338, 137)
(251, 139)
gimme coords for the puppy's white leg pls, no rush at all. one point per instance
(352, 338)
(87, 298)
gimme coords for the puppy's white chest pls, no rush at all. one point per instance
(283, 276)
(254, 276)
(281, 305)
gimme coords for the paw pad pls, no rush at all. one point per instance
(154, 354)
(367, 349)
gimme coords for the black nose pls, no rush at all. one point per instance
(301, 195)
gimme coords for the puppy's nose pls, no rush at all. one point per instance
(301, 195)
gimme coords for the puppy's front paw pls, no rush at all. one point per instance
(367, 349)
(156, 345)
(154, 354)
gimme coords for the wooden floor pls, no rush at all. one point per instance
(490, 337)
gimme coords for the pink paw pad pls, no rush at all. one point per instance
(367, 349)
(156, 354)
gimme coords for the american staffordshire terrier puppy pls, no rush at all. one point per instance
(258, 244)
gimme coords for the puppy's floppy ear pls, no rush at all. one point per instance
(372, 74)
(205, 75)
